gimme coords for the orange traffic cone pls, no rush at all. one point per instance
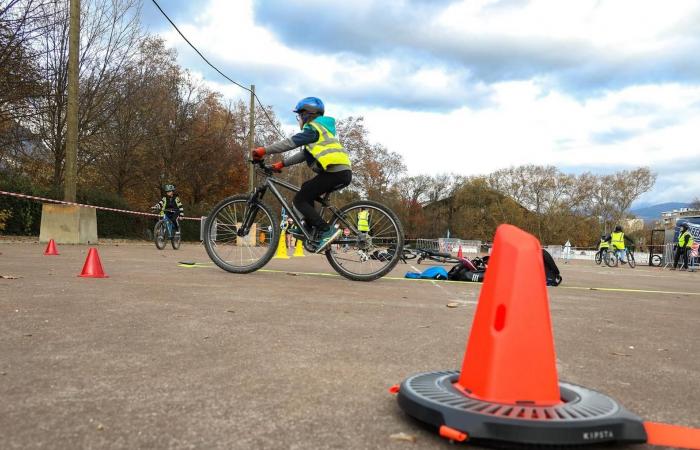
(51, 249)
(510, 353)
(93, 266)
(459, 252)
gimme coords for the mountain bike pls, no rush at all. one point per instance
(241, 233)
(163, 231)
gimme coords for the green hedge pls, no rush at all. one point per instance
(25, 215)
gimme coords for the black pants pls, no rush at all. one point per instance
(321, 184)
(681, 251)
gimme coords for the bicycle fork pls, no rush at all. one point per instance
(249, 215)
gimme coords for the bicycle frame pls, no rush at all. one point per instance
(272, 184)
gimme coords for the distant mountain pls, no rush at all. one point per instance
(654, 211)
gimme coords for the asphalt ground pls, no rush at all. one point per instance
(164, 356)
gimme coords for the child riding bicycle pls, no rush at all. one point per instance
(170, 207)
(324, 154)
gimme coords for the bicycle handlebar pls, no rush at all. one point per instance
(267, 169)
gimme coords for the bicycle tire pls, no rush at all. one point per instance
(656, 260)
(175, 241)
(630, 261)
(598, 258)
(610, 259)
(443, 260)
(408, 254)
(217, 224)
(385, 229)
(159, 235)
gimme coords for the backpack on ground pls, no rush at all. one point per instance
(551, 270)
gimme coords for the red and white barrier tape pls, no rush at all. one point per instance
(104, 208)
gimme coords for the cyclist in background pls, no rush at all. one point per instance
(603, 245)
(617, 241)
(324, 154)
(171, 207)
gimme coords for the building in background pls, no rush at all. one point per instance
(669, 218)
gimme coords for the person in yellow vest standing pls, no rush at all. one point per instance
(324, 154)
(363, 221)
(685, 242)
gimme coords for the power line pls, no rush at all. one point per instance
(219, 71)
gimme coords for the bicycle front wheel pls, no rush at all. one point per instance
(384, 237)
(159, 232)
(598, 258)
(630, 260)
(176, 241)
(230, 245)
(610, 259)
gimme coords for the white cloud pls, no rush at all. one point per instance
(524, 121)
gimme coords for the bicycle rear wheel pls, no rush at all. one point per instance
(159, 232)
(598, 258)
(385, 237)
(233, 248)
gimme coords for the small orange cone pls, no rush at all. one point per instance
(51, 249)
(510, 353)
(93, 266)
(459, 252)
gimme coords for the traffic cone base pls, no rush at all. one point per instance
(508, 389)
(93, 266)
(51, 249)
(281, 252)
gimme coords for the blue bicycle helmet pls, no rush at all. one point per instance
(310, 104)
(169, 187)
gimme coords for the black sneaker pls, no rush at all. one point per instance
(327, 238)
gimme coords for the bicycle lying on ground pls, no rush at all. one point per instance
(163, 231)
(443, 258)
(241, 233)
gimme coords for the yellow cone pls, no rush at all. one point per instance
(299, 249)
(281, 248)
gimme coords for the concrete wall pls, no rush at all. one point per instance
(68, 224)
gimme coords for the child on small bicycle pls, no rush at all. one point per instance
(324, 154)
(617, 241)
(171, 207)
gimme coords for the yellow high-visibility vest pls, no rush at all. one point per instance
(328, 149)
(363, 221)
(618, 240)
(603, 244)
(681, 238)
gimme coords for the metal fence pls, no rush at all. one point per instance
(450, 245)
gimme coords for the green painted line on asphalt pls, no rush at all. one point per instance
(579, 288)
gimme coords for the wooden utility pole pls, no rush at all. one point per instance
(251, 138)
(71, 167)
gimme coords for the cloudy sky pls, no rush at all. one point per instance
(472, 86)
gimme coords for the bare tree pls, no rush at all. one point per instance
(110, 32)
